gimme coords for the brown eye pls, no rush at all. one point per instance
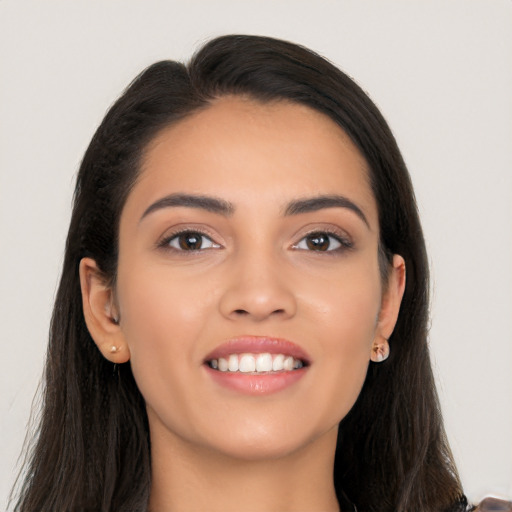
(322, 242)
(191, 241)
(318, 242)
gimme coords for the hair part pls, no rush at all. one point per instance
(92, 450)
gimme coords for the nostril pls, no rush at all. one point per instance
(244, 312)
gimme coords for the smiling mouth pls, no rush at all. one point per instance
(255, 364)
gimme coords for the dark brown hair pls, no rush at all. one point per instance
(92, 450)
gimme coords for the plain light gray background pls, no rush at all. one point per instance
(441, 72)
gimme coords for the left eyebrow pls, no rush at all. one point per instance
(314, 204)
(210, 204)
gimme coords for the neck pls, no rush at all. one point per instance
(188, 478)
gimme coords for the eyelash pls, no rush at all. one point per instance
(343, 242)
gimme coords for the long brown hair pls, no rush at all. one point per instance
(92, 447)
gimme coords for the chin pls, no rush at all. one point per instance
(259, 443)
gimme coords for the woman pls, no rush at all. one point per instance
(243, 306)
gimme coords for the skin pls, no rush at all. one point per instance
(256, 275)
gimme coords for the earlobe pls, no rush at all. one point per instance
(101, 316)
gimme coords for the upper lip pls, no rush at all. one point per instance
(259, 345)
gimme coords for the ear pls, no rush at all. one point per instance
(392, 298)
(100, 313)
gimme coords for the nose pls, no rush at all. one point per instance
(258, 288)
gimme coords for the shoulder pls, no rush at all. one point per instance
(494, 505)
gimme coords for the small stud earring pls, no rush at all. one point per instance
(380, 351)
(114, 349)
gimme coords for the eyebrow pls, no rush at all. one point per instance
(225, 208)
(314, 204)
(208, 203)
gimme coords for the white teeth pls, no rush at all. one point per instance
(264, 363)
(255, 363)
(233, 363)
(288, 363)
(277, 363)
(247, 363)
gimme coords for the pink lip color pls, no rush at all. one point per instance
(250, 383)
(256, 384)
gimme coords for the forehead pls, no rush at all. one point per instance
(238, 148)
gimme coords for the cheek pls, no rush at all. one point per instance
(159, 306)
(347, 305)
(347, 313)
(162, 317)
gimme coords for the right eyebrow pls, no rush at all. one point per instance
(208, 203)
(313, 204)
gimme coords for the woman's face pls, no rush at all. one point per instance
(252, 230)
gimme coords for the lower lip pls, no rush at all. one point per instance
(256, 384)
